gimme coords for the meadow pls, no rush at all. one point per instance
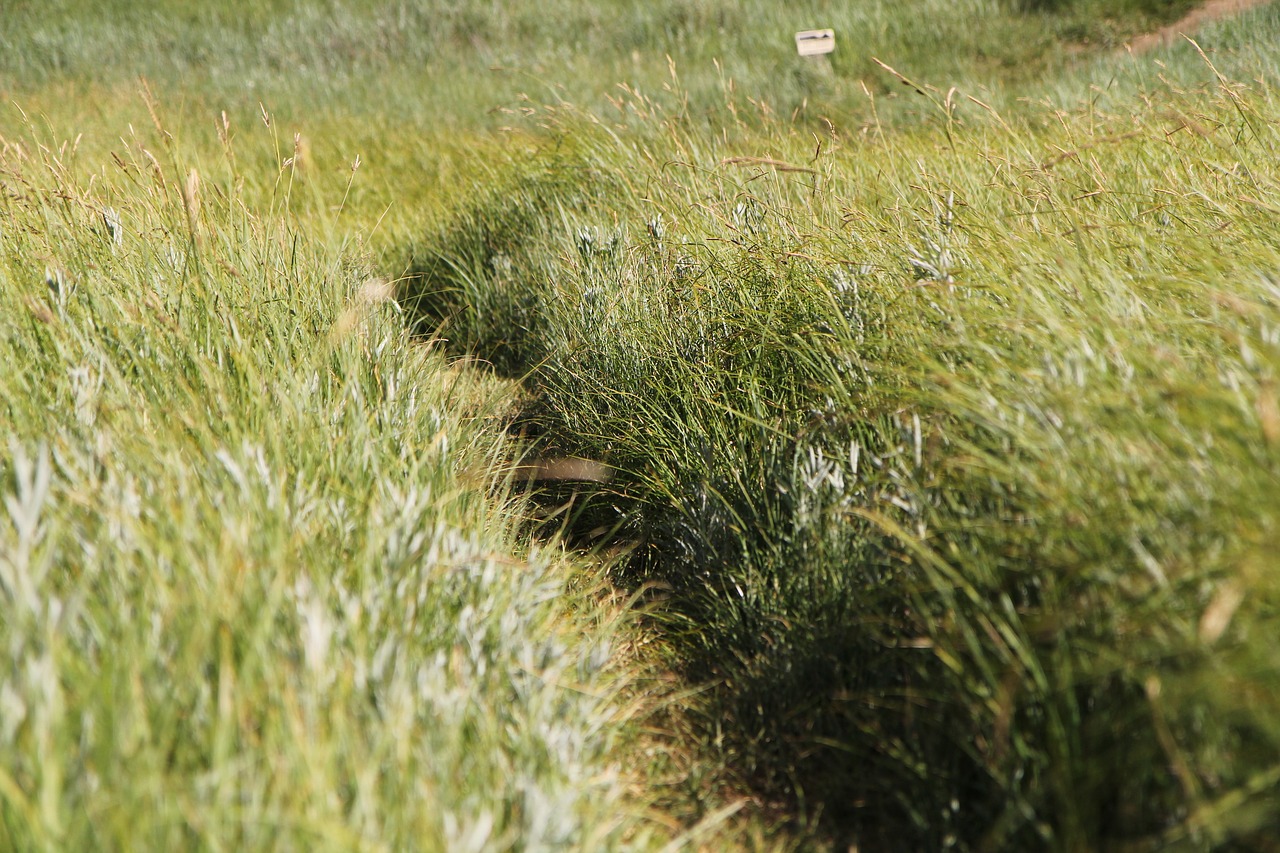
(937, 384)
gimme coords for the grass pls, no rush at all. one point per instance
(359, 62)
(256, 593)
(938, 385)
(953, 445)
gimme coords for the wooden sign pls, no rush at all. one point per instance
(815, 42)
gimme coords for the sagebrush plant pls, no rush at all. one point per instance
(972, 552)
(258, 590)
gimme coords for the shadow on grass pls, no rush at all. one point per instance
(902, 664)
(821, 693)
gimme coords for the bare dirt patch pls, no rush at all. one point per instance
(1205, 13)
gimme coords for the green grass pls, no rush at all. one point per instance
(405, 66)
(955, 447)
(256, 595)
(941, 399)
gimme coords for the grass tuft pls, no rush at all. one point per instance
(951, 448)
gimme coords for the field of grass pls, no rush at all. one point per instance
(939, 384)
(256, 594)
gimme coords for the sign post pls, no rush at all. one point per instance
(815, 42)
(815, 48)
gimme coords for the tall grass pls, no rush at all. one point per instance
(256, 591)
(955, 448)
(425, 67)
(943, 427)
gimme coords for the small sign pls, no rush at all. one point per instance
(815, 42)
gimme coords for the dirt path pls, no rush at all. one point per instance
(1195, 19)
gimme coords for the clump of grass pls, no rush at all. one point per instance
(955, 448)
(257, 590)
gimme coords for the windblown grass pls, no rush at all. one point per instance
(256, 591)
(938, 380)
(400, 68)
(956, 448)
